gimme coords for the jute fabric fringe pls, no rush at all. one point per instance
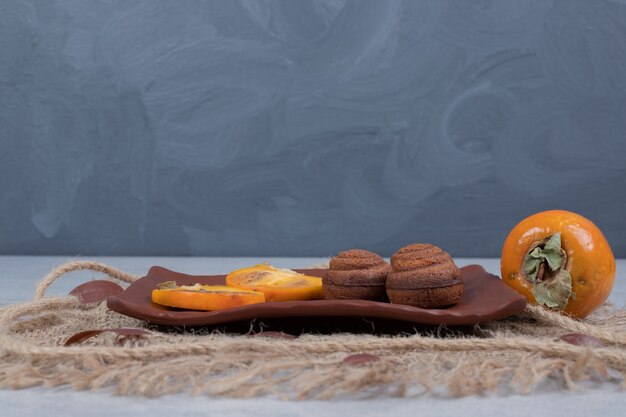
(521, 354)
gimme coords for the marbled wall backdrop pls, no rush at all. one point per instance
(304, 127)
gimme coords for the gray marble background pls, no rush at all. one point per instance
(299, 128)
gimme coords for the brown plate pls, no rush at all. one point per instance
(485, 298)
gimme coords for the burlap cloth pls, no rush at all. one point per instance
(516, 355)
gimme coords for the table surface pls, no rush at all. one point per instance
(19, 276)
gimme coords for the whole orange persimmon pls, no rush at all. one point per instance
(561, 260)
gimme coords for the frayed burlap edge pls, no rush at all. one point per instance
(515, 355)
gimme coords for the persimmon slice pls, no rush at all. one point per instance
(276, 283)
(204, 297)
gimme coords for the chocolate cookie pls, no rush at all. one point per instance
(356, 274)
(424, 276)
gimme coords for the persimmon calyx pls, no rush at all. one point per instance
(544, 268)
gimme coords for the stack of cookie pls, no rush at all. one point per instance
(356, 274)
(420, 275)
(424, 276)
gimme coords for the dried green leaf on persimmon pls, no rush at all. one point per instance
(548, 251)
(552, 252)
(555, 292)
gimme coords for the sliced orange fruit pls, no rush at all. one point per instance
(204, 297)
(277, 284)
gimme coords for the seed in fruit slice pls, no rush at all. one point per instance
(204, 297)
(278, 284)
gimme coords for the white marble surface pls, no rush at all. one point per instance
(20, 274)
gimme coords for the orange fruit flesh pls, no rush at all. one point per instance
(206, 297)
(277, 284)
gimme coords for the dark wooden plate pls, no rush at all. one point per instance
(485, 298)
